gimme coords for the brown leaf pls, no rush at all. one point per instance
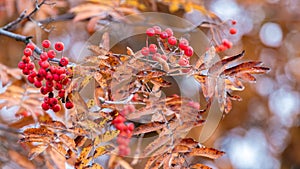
(199, 166)
(206, 152)
(149, 127)
(35, 151)
(38, 132)
(54, 125)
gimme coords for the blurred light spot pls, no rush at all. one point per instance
(265, 86)
(277, 135)
(293, 6)
(285, 104)
(249, 151)
(291, 42)
(269, 57)
(271, 34)
(225, 9)
(273, 1)
(293, 67)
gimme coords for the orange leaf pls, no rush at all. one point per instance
(206, 152)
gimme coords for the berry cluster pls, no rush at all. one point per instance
(171, 46)
(226, 44)
(50, 78)
(123, 138)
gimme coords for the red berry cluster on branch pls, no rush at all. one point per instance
(123, 138)
(226, 44)
(167, 45)
(49, 77)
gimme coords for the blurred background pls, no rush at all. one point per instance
(262, 131)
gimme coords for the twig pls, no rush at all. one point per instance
(23, 16)
(15, 22)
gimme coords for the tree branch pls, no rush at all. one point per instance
(23, 16)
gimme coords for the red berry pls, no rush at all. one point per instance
(130, 126)
(32, 73)
(130, 108)
(150, 32)
(69, 105)
(59, 46)
(226, 43)
(164, 57)
(26, 71)
(56, 108)
(45, 106)
(232, 31)
(53, 101)
(39, 77)
(152, 48)
(157, 29)
(53, 69)
(30, 66)
(65, 81)
(21, 65)
(169, 32)
(26, 59)
(46, 43)
(49, 84)
(164, 35)
(183, 44)
(135, 97)
(44, 56)
(118, 119)
(183, 62)
(120, 126)
(221, 48)
(45, 64)
(145, 51)
(121, 140)
(233, 22)
(56, 77)
(42, 72)
(49, 76)
(37, 84)
(44, 90)
(64, 61)
(49, 89)
(46, 100)
(156, 56)
(61, 93)
(58, 86)
(30, 46)
(51, 54)
(30, 79)
(60, 70)
(27, 52)
(172, 40)
(189, 51)
(62, 76)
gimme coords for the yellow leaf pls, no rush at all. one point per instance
(174, 7)
(107, 136)
(188, 7)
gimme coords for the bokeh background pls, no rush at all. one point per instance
(262, 131)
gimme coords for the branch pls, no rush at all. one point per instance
(23, 16)
(26, 40)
